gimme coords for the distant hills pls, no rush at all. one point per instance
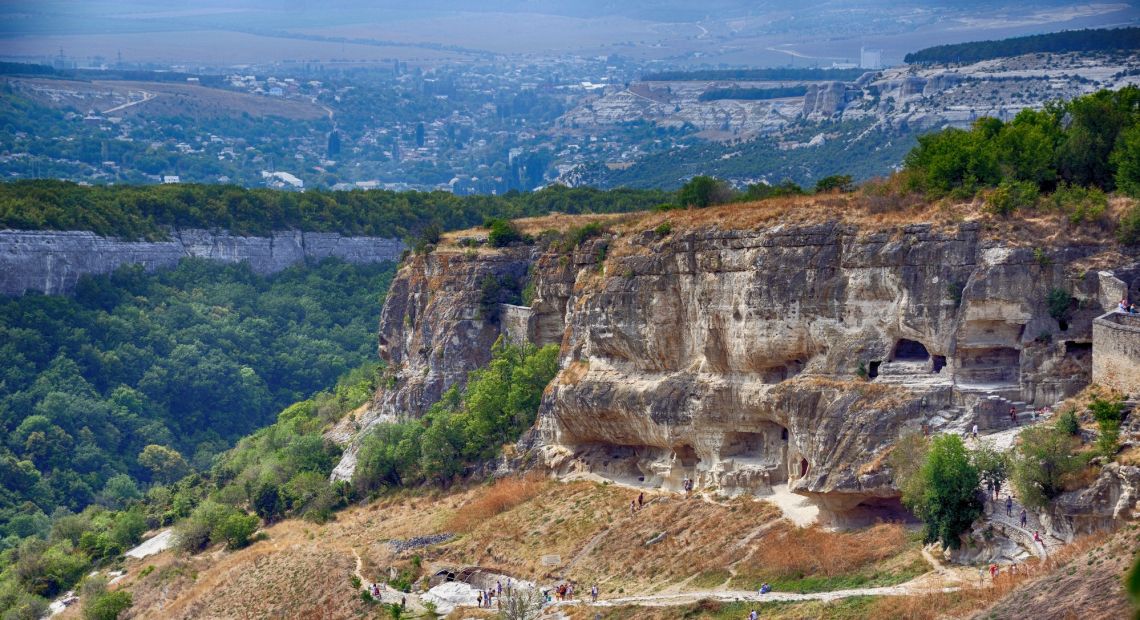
(1098, 40)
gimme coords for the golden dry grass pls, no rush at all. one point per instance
(814, 551)
(502, 496)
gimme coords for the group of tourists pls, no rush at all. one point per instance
(377, 592)
(1012, 569)
(687, 485)
(636, 504)
(1126, 307)
(492, 596)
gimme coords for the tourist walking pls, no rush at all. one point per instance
(1009, 505)
(1023, 517)
(640, 500)
(594, 593)
(632, 507)
(975, 431)
(1013, 415)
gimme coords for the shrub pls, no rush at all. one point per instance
(503, 232)
(1126, 160)
(704, 191)
(663, 229)
(191, 536)
(107, 605)
(1068, 424)
(1009, 196)
(1080, 204)
(1041, 462)
(992, 466)
(841, 183)
(1109, 413)
(575, 236)
(1059, 301)
(1128, 230)
(235, 530)
(945, 495)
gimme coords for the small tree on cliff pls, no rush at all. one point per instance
(944, 495)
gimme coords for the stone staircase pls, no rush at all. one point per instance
(1010, 525)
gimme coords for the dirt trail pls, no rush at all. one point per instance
(918, 585)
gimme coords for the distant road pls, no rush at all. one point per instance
(147, 96)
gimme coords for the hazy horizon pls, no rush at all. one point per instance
(217, 33)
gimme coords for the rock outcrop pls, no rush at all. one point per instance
(742, 358)
(53, 261)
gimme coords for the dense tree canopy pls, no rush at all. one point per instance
(466, 427)
(141, 378)
(148, 211)
(1054, 42)
(1089, 142)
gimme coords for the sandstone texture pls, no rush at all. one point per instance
(52, 262)
(744, 358)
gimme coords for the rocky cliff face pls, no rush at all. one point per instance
(744, 358)
(52, 262)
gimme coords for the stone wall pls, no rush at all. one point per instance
(1116, 352)
(517, 323)
(53, 261)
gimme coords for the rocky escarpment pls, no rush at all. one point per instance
(744, 358)
(53, 261)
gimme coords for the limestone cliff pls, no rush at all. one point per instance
(744, 356)
(53, 261)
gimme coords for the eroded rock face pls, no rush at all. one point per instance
(1113, 498)
(53, 261)
(736, 358)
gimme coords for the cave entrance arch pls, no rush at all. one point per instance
(910, 351)
(686, 456)
(804, 467)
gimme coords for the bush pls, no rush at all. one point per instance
(191, 536)
(704, 191)
(1068, 424)
(663, 229)
(1109, 413)
(1041, 461)
(992, 466)
(503, 232)
(841, 183)
(1059, 302)
(107, 605)
(1080, 204)
(235, 530)
(1009, 196)
(1126, 160)
(1128, 230)
(945, 495)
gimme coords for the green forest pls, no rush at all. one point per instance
(1077, 151)
(149, 211)
(143, 378)
(1101, 40)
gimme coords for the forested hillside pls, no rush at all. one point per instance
(1103, 40)
(146, 211)
(142, 378)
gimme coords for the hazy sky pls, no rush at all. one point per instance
(772, 32)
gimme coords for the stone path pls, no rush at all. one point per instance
(796, 508)
(915, 586)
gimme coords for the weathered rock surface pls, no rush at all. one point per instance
(732, 357)
(53, 261)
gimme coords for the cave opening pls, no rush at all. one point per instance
(939, 364)
(686, 455)
(1077, 348)
(910, 351)
(873, 370)
(803, 467)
